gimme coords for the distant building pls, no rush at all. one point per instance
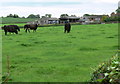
(92, 19)
(53, 20)
(46, 20)
(69, 18)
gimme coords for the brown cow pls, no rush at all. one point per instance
(67, 27)
(11, 29)
(29, 27)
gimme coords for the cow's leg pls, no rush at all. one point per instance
(26, 30)
(65, 31)
(29, 30)
(5, 32)
(16, 32)
(34, 30)
(68, 31)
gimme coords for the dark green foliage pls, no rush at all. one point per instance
(13, 16)
(115, 18)
(110, 19)
(118, 10)
(48, 15)
(108, 72)
(62, 15)
(33, 16)
(86, 15)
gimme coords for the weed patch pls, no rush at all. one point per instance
(25, 45)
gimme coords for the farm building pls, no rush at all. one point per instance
(46, 20)
(72, 19)
(69, 18)
(53, 20)
(93, 18)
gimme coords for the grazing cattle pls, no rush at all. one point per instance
(11, 29)
(29, 27)
(67, 27)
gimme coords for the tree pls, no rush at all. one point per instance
(23, 17)
(104, 17)
(33, 16)
(15, 16)
(63, 15)
(48, 15)
(10, 15)
(86, 15)
(73, 15)
(43, 16)
(37, 16)
(118, 10)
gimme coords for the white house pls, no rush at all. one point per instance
(92, 19)
(46, 20)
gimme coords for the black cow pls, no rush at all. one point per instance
(29, 27)
(11, 29)
(67, 27)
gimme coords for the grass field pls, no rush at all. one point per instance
(49, 55)
(16, 20)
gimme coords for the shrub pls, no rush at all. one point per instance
(107, 72)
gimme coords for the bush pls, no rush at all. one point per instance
(107, 72)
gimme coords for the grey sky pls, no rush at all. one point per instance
(57, 7)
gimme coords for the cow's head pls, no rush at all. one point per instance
(3, 27)
(18, 29)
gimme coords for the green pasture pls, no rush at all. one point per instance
(16, 20)
(49, 55)
(19, 24)
(13, 21)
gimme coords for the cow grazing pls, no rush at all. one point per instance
(11, 29)
(29, 27)
(67, 27)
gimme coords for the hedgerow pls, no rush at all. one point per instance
(107, 72)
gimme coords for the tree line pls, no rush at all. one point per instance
(17, 16)
(35, 16)
(114, 17)
(104, 18)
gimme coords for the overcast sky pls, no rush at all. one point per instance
(57, 7)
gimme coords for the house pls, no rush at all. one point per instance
(69, 18)
(93, 19)
(46, 20)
